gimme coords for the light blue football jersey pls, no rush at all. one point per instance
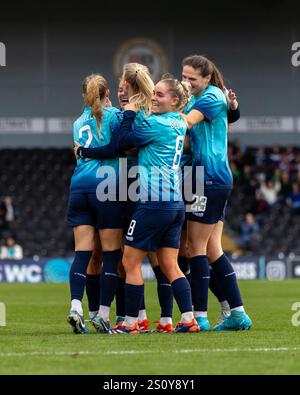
(132, 160)
(160, 140)
(208, 139)
(85, 131)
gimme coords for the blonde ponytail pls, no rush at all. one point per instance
(138, 77)
(94, 89)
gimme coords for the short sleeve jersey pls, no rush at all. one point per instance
(87, 134)
(208, 139)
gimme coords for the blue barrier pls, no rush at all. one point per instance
(37, 270)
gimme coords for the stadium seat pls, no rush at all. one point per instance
(38, 180)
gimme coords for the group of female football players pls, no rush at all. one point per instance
(173, 136)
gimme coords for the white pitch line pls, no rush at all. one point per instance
(136, 352)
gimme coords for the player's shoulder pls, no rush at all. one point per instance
(213, 93)
(111, 110)
(83, 119)
(144, 120)
(172, 119)
(112, 114)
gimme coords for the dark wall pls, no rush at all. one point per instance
(49, 52)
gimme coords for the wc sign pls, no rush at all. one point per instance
(2, 55)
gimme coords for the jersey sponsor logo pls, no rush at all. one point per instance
(142, 50)
(2, 55)
(129, 238)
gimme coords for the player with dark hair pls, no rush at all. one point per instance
(208, 124)
(233, 114)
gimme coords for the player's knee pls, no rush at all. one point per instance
(168, 266)
(194, 249)
(214, 255)
(214, 251)
(130, 265)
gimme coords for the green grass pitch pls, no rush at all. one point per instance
(38, 340)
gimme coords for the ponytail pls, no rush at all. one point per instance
(138, 77)
(94, 88)
(217, 78)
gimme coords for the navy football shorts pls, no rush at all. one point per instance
(129, 209)
(85, 209)
(210, 208)
(151, 229)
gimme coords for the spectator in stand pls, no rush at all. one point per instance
(6, 215)
(297, 163)
(277, 175)
(11, 250)
(285, 186)
(249, 180)
(6, 212)
(285, 164)
(231, 156)
(235, 172)
(297, 178)
(260, 157)
(260, 207)
(248, 228)
(290, 153)
(294, 198)
(275, 156)
(270, 191)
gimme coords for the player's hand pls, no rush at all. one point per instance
(75, 148)
(131, 107)
(184, 117)
(108, 103)
(232, 100)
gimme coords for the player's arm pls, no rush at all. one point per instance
(233, 115)
(192, 118)
(233, 112)
(130, 136)
(107, 151)
(207, 108)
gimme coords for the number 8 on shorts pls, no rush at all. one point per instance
(131, 228)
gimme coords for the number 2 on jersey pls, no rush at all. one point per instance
(87, 129)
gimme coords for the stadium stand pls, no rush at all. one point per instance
(279, 222)
(38, 181)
